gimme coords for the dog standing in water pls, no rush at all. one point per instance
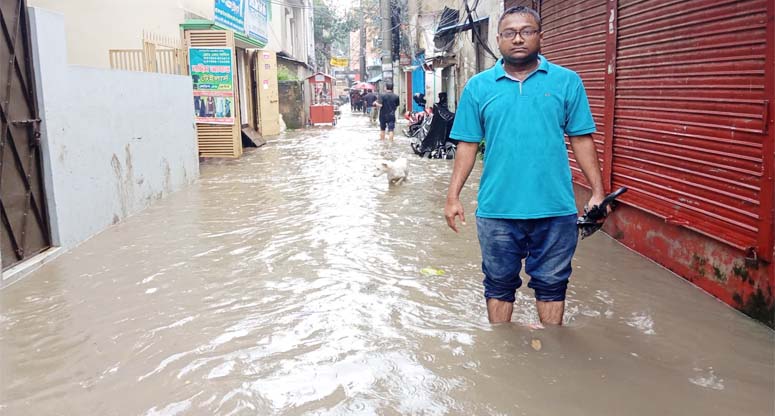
(396, 170)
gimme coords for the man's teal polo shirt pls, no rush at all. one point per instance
(526, 169)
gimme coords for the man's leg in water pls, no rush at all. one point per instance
(549, 264)
(551, 312)
(499, 311)
(382, 126)
(391, 126)
(503, 248)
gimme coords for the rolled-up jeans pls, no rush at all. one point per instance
(546, 244)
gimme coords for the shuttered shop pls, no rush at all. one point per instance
(575, 37)
(690, 116)
(679, 91)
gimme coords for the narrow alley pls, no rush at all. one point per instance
(293, 281)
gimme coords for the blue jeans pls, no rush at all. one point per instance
(547, 246)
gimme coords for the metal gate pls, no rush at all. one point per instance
(25, 230)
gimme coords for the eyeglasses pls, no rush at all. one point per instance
(526, 33)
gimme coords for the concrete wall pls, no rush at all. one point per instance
(291, 29)
(94, 27)
(292, 104)
(113, 141)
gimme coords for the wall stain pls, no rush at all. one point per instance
(698, 264)
(118, 171)
(756, 307)
(718, 274)
(167, 176)
(741, 271)
(124, 181)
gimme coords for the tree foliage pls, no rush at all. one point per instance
(332, 30)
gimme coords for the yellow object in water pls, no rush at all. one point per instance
(430, 271)
(536, 344)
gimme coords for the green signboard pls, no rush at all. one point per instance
(213, 76)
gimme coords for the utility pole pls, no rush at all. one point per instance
(362, 41)
(387, 43)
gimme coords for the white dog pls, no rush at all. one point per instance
(396, 170)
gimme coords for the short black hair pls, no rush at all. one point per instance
(389, 87)
(521, 10)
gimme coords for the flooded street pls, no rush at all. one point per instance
(294, 282)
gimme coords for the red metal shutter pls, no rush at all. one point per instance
(690, 115)
(575, 37)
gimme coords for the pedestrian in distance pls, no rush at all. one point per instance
(369, 100)
(523, 106)
(363, 100)
(356, 101)
(387, 104)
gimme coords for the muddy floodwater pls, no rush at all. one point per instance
(294, 282)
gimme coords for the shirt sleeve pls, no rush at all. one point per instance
(467, 126)
(578, 115)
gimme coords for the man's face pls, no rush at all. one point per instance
(519, 50)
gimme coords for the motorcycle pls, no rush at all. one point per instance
(416, 119)
(431, 139)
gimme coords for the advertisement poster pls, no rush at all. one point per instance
(212, 73)
(257, 20)
(230, 14)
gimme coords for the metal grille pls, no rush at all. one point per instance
(25, 229)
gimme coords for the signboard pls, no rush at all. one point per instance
(257, 20)
(230, 14)
(339, 62)
(246, 17)
(212, 73)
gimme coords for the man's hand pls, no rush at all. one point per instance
(596, 200)
(452, 209)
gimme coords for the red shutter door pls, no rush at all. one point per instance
(690, 114)
(575, 37)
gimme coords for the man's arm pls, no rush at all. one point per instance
(586, 157)
(465, 157)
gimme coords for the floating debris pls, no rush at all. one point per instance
(536, 344)
(430, 271)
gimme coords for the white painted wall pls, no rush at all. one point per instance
(95, 27)
(113, 141)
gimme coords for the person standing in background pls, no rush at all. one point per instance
(387, 104)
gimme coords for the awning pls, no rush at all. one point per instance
(376, 79)
(240, 40)
(460, 27)
(444, 38)
(288, 57)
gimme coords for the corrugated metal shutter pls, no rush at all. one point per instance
(575, 37)
(216, 140)
(690, 114)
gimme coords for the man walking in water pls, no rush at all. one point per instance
(387, 105)
(523, 106)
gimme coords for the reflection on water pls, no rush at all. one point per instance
(294, 282)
